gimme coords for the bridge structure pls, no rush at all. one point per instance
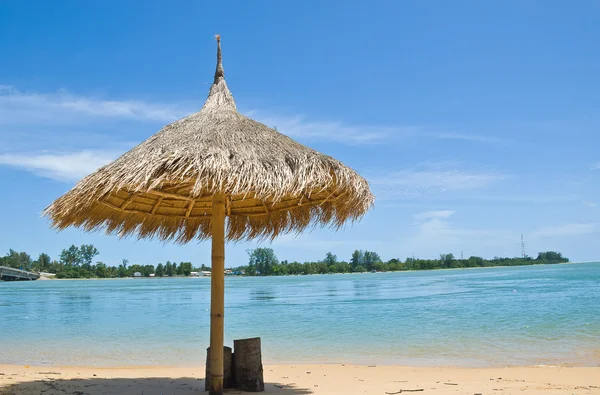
(10, 274)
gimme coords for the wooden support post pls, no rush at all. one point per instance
(217, 297)
(247, 365)
(228, 380)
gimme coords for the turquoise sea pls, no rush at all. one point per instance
(470, 317)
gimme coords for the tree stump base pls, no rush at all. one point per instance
(247, 362)
(228, 378)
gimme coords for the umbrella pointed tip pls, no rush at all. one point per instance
(219, 73)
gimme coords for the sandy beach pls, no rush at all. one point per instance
(304, 379)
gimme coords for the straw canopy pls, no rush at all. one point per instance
(164, 187)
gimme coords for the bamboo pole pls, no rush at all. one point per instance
(217, 297)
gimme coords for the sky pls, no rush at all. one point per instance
(474, 122)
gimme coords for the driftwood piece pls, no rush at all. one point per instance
(284, 385)
(247, 364)
(228, 376)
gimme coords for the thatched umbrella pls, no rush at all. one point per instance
(183, 182)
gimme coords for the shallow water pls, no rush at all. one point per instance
(474, 317)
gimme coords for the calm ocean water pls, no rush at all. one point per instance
(478, 317)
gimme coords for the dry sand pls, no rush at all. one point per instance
(304, 379)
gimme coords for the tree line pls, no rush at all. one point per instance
(264, 262)
(76, 262)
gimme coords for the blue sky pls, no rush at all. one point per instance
(473, 121)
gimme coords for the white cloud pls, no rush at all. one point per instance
(33, 108)
(433, 233)
(308, 241)
(25, 108)
(393, 200)
(419, 182)
(462, 136)
(433, 225)
(59, 166)
(17, 107)
(428, 215)
(299, 127)
(574, 229)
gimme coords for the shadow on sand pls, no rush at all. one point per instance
(130, 386)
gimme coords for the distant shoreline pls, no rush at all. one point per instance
(77, 263)
(314, 274)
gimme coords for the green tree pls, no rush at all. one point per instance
(71, 257)
(358, 258)
(169, 269)
(123, 271)
(321, 267)
(262, 259)
(135, 269)
(551, 257)
(380, 266)
(344, 267)
(370, 258)
(86, 253)
(147, 270)
(112, 271)
(12, 259)
(160, 270)
(101, 270)
(185, 268)
(43, 262)
(447, 260)
(474, 261)
(395, 264)
(26, 261)
(330, 259)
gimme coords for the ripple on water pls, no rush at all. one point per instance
(498, 316)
